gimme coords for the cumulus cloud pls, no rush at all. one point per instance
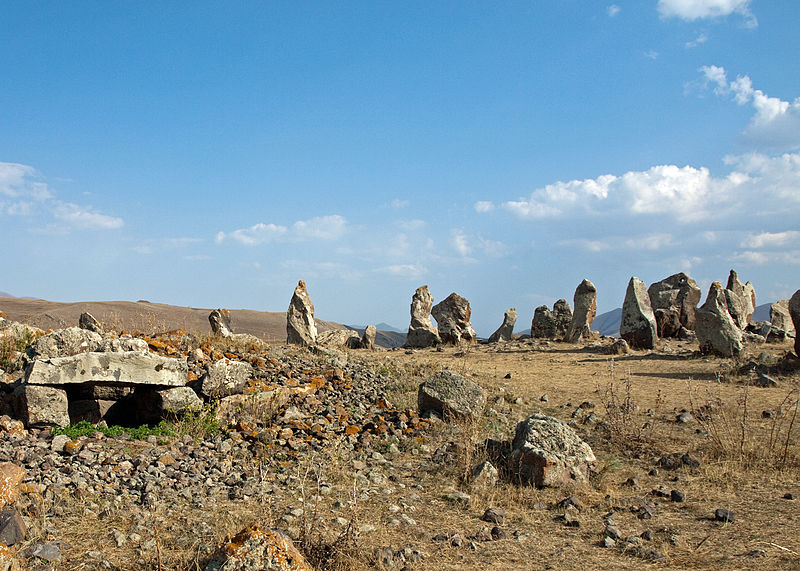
(771, 239)
(410, 271)
(775, 123)
(85, 217)
(613, 10)
(460, 243)
(691, 10)
(484, 206)
(330, 228)
(21, 181)
(651, 54)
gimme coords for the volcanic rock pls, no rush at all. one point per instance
(88, 322)
(551, 325)
(368, 339)
(452, 316)
(780, 318)
(638, 323)
(67, 342)
(741, 300)
(507, 328)
(421, 332)
(716, 330)
(300, 326)
(451, 396)
(585, 302)
(37, 405)
(257, 548)
(339, 338)
(220, 320)
(226, 378)
(677, 294)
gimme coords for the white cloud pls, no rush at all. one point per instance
(771, 239)
(699, 40)
(330, 227)
(19, 181)
(398, 203)
(85, 217)
(651, 54)
(255, 235)
(460, 243)
(650, 242)
(750, 258)
(165, 244)
(613, 10)
(775, 123)
(691, 10)
(584, 244)
(484, 206)
(410, 271)
(411, 225)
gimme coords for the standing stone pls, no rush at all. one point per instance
(551, 325)
(638, 323)
(506, 330)
(780, 318)
(794, 311)
(220, 320)
(585, 301)
(421, 332)
(452, 316)
(88, 322)
(678, 295)
(716, 330)
(368, 339)
(300, 326)
(741, 300)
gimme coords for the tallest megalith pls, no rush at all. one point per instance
(300, 326)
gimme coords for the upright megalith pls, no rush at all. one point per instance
(638, 323)
(421, 332)
(794, 312)
(674, 301)
(585, 302)
(368, 339)
(780, 318)
(300, 326)
(741, 300)
(87, 321)
(548, 324)
(506, 330)
(452, 315)
(717, 332)
(220, 320)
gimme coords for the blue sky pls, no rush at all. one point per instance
(212, 154)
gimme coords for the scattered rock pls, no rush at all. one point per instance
(585, 302)
(300, 326)
(451, 396)
(452, 315)
(724, 516)
(638, 323)
(506, 329)
(12, 527)
(484, 475)
(494, 515)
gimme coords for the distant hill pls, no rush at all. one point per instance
(608, 323)
(761, 312)
(5, 294)
(385, 337)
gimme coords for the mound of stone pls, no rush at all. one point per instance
(451, 396)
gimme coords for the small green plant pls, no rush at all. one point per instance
(15, 342)
(86, 428)
(197, 423)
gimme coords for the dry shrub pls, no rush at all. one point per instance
(622, 419)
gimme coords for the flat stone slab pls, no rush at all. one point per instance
(126, 368)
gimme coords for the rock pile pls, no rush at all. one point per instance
(452, 316)
(421, 332)
(300, 326)
(585, 302)
(554, 324)
(506, 329)
(638, 323)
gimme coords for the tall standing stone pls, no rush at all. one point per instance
(585, 301)
(368, 339)
(548, 324)
(300, 326)
(452, 316)
(87, 321)
(794, 311)
(638, 323)
(741, 300)
(220, 320)
(506, 330)
(716, 330)
(421, 332)
(674, 301)
(780, 318)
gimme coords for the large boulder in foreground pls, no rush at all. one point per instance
(451, 396)
(300, 326)
(421, 332)
(677, 297)
(585, 303)
(548, 453)
(257, 548)
(794, 312)
(717, 332)
(452, 315)
(506, 329)
(125, 368)
(638, 322)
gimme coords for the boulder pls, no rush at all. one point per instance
(300, 326)
(780, 318)
(421, 332)
(716, 330)
(794, 312)
(368, 339)
(741, 300)
(37, 405)
(678, 295)
(668, 322)
(548, 453)
(220, 320)
(451, 396)
(88, 322)
(257, 548)
(11, 477)
(225, 378)
(67, 342)
(178, 400)
(585, 303)
(122, 344)
(638, 322)
(452, 316)
(553, 324)
(12, 527)
(506, 330)
(339, 338)
(124, 368)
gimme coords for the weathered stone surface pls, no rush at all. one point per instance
(421, 332)
(255, 548)
(451, 396)
(11, 477)
(483, 475)
(226, 378)
(125, 368)
(67, 342)
(780, 318)
(220, 320)
(339, 338)
(37, 405)
(90, 410)
(677, 295)
(88, 322)
(452, 315)
(176, 401)
(716, 330)
(554, 324)
(506, 329)
(368, 339)
(12, 527)
(794, 312)
(300, 326)
(668, 322)
(638, 323)
(122, 344)
(547, 453)
(585, 303)
(741, 300)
